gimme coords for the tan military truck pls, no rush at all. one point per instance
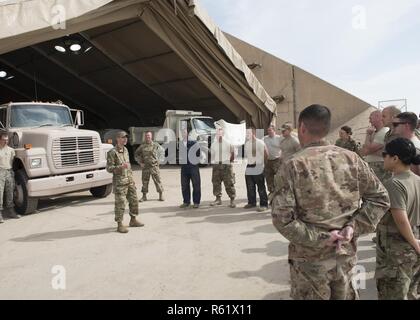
(53, 156)
(201, 129)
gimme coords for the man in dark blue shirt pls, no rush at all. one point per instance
(189, 158)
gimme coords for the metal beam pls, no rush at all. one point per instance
(157, 84)
(101, 34)
(77, 103)
(84, 74)
(14, 89)
(86, 81)
(125, 63)
(111, 57)
(199, 100)
(167, 53)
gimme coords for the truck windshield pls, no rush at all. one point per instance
(28, 116)
(204, 124)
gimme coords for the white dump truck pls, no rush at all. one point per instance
(53, 156)
(201, 129)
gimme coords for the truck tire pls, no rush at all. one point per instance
(102, 191)
(23, 203)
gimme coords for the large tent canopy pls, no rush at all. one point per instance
(146, 57)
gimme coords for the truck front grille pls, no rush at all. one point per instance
(75, 152)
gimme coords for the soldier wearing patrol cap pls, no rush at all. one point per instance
(317, 207)
(148, 156)
(118, 163)
(7, 178)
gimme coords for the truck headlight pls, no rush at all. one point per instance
(36, 163)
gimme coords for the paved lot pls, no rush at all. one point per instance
(209, 253)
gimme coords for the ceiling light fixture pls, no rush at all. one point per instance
(60, 48)
(75, 47)
(4, 75)
(72, 44)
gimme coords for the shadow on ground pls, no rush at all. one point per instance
(273, 273)
(269, 228)
(59, 235)
(272, 249)
(50, 204)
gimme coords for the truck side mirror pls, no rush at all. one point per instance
(79, 119)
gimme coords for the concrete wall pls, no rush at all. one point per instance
(359, 124)
(299, 87)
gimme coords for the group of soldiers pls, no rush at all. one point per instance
(326, 197)
(275, 149)
(323, 197)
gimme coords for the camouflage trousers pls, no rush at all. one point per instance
(270, 171)
(323, 280)
(7, 186)
(380, 172)
(153, 172)
(397, 267)
(223, 173)
(124, 194)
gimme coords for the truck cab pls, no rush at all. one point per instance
(201, 129)
(53, 156)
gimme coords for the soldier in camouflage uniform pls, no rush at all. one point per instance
(148, 156)
(7, 177)
(374, 145)
(398, 244)
(273, 143)
(316, 206)
(388, 116)
(222, 155)
(118, 163)
(346, 142)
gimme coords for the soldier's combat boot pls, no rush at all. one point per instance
(122, 228)
(232, 203)
(1, 218)
(144, 199)
(217, 202)
(134, 223)
(12, 214)
(161, 197)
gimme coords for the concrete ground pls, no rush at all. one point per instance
(208, 253)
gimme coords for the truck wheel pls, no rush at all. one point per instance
(23, 203)
(102, 191)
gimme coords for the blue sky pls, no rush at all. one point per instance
(370, 48)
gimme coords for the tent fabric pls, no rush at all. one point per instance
(180, 24)
(233, 55)
(189, 39)
(19, 17)
(28, 22)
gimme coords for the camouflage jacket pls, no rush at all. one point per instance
(349, 145)
(319, 190)
(115, 160)
(149, 153)
(390, 136)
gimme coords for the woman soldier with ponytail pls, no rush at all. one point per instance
(398, 245)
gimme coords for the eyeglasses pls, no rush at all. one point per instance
(396, 124)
